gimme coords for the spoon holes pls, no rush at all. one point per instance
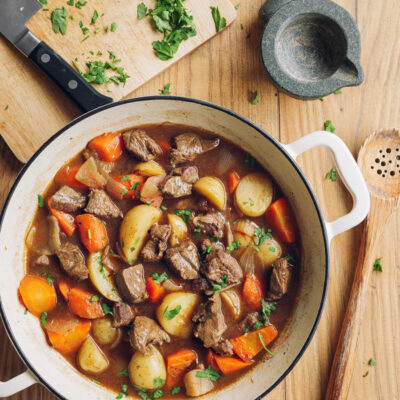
(392, 173)
(397, 157)
(377, 160)
(372, 167)
(388, 150)
(379, 171)
(383, 163)
(380, 151)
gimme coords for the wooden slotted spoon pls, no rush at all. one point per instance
(379, 161)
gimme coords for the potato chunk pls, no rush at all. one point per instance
(90, 357)
(104, 332)
(232, 301)
(213, 190)
(149, 168)
(270, 250)
(179, 229)
(134, 229)
(254, 194)
(144, 369)
(181, 324)
(196, 386)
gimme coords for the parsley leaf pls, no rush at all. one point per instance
(222, 283)
(159, 278)
(209, 373)
(95, 16)
(125, 178)
(175, 390)
(170, 314)
(290, 258)
(165, 89)
(163, 208)
(220, 23)
(256, 98)
(328, 126)
(264, 346)
(233, 246)
(44, 2)
(261, 236)
(237, 6)
(207, 250)
(339, 91)
(371, 362)
(331, 175)
(79, 4)
(141, 10)
(107, 309)
(123, 392)
(184, 213)
(250, 160)
(124, 372)
(267, 308)
(70, 2)
(40, 201)
(157, 394)
(378, 265)
(158, 382)
(6, 108)
(95, 297)
(135, 187)
(43, 319)
(197, 230)
(59, 20)
(113, 27)
(258, 324)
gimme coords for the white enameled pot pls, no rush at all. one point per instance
(46, 365)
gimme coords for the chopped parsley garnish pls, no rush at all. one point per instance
(40, 201)
(113, 27)
(107, 309)
(235, 222)
(43, 319)
(262, 236)
(157, 394)
(197, 230)
(170, 314)
(165, 89)
(175, 390)
(132, 249)
(158, 382)
(256, 98)
(222, 283)
(79, 4)
(85, 30)
(290, 258)
(95, 16)
(246, 329)
(70, 2)
(101, 268)
(184, 213)
(233, 246)
(267, 308)
(125, 178)
(237, 6)
(85, 38)
(48, 277)
(26, 311)
(59, 20)
(250, 160)
(371, 362)
(209, 373)
(207, 250)
(135, 187)
(89, 234)
(378, 265)
(123, 392)
(331, 175)
(163, 208)
(328, 126)
(264, 346)
(258, 324)
(170, 18)
(6, 108)
(241, 27)
(123, 193)
(114, 59)
(124, 372)
(148, 203)
(159, 278)
(95, 297)
(213, 239)
(339, 91)
(273, 249)
(220, 23)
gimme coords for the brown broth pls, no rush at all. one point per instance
(119, 357)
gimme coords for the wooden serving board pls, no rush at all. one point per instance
(37, 108)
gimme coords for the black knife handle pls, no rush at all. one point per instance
(74, 85)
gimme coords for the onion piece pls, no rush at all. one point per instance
(171, 286)
(89, 175)
(250, 261)
(226, 162)
(150, 188)
(115, 188)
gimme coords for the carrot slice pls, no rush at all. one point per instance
(80, 304)
(247, 346)
(281, 219)
(92, 232)
(177, 365)
(133, 185)
(66, 221)
(229, 365)
(70, 341)
(165, 145)
(108, 146)
(210, 360)
(66, 176)
(64, 288)
(253, 291)
(37, 295)
(233, 181)
(155, 290)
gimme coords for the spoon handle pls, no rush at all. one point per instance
(343, 362)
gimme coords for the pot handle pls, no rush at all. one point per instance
(349, 172)
(17, 384)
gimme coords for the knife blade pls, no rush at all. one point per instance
(13, 16)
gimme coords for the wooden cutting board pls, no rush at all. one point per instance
(32, 107)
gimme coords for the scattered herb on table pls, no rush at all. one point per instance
(59, 20)
(339, 91)
(44, 2)
(220, 23)
(85, 38)
(378, 265)
(165, 89)
(328, 126)
(209, 373)
(241, 27)
(6, 108)
(322, 98)
(331, 175)
(237, 6)
(256, 98)
(371, 362)
(175, 390)
(170, 314)
(70, 2)
(185, 213)
(95, 16)
(159, 278)
(40, 201)
(141, 11)
(79, 4)
(26, 311)
(365, 374)
(95, 381)
(248, 36)
(112, 27)
(43, 319)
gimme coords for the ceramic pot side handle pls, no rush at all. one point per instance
(17, 384)
(348, 171)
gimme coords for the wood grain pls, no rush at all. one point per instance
(226, 70)
(33, 98)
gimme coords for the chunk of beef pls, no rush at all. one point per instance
(184, 260)
(141, 145)
(224, 347)
(209, 321)
(219, 263)
(207, 246)
(42, 261)
(68, 200)
(187, 146)
(131, 284)
(210, 223)
(200, 285)
(157, 244)
(247, 323)
(280, 279)
(179, 182)
(145, 332)
(101, 205)
(72, 261)
(122, 314)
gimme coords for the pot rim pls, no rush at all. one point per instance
(281, 147)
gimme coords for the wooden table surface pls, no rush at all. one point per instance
(226, 71)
